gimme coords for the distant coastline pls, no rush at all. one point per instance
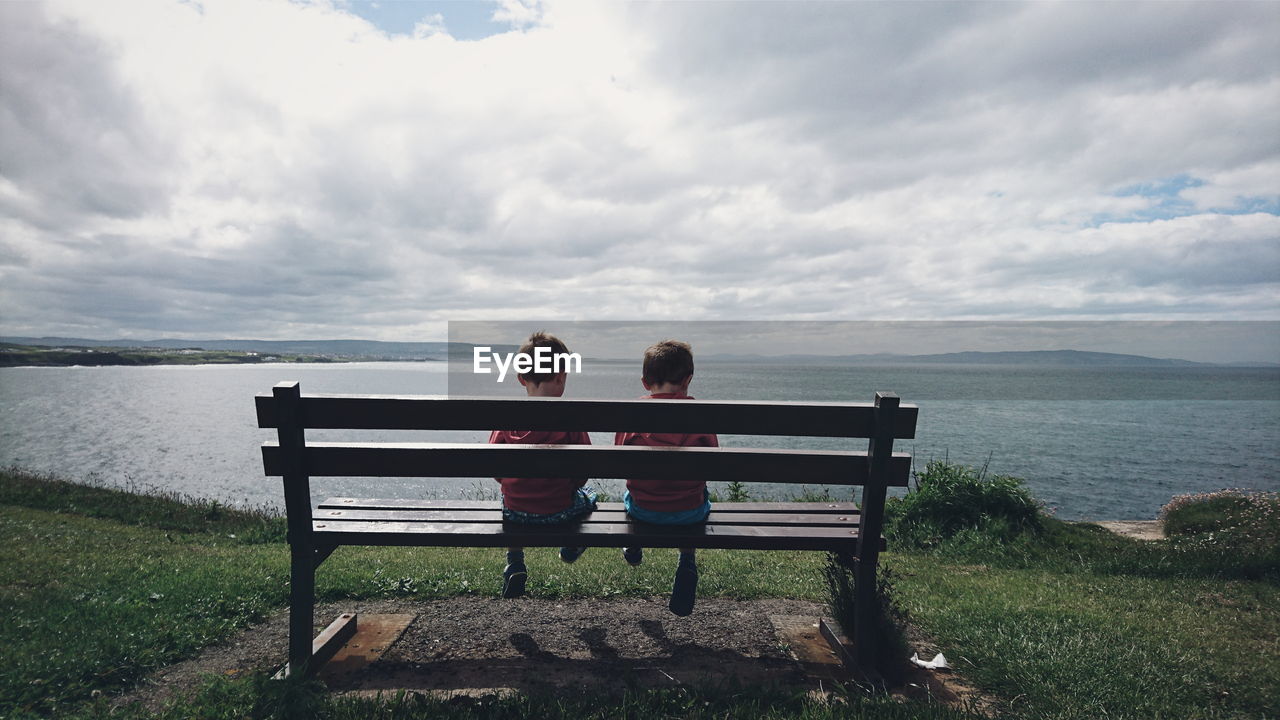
(58, 351)
(14, 355)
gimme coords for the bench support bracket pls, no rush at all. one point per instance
(322, 553)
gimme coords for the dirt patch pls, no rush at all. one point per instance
(942, 685)
(473, 645)
(1137, 529)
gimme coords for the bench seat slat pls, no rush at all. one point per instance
(735, 537)
(346, 503)
(822, 467)
(599, 516)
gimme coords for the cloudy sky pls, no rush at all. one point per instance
(276, 169)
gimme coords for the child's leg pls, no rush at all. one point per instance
(584, 502)
(571, 554)
(633, 555)
(515, 574)
(684, 589)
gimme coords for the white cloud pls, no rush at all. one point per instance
(274, 168)
(431, 25)
(519, 13)
(1230, 187)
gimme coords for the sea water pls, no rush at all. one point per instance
(1096, 443)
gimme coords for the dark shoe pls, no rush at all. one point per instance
(633, 556)
(571, 554)
(684, 590)
(513, 580)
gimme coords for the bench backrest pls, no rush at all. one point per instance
(296, 460)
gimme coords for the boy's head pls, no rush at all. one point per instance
(668, 366)
(535, 383)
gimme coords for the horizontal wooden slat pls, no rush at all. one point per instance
(373, 412)
(816, 467)
(346, 503)
(585, 535)
(410, 504)
(599, 516)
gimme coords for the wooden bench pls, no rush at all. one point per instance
(314, 533)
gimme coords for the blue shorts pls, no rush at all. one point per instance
(670, 517)
(584, 501)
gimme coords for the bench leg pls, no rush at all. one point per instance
(866, 637)
(865, 609)
(302, 598)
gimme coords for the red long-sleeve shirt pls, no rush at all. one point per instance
(665, 494)
(539, 495)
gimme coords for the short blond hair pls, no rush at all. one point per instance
(669, 361)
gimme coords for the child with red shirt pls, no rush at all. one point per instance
(666, 374)
(541, 501)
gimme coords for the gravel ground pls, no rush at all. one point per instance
(474, 644)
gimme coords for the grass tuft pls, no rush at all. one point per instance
(1242, 515)
(950, 499)
(891, 617)
(1233, 529)
(143, 506)
(292, 698)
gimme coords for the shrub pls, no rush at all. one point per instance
(949, 499)
(292, 698)
(1222, 511)
(1236, 528)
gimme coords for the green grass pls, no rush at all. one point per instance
(1071, 621)
(1085, 645)
(1064, 547)
(95, 604)
(1068, 621)
(144, 506)
(222, 698)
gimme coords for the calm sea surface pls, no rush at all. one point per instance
(1113, 443)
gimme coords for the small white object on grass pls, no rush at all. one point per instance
(937, 663)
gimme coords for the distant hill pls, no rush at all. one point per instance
(1050, 357)
(1057, 358)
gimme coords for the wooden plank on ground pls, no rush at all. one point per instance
(326, 643)
(375, 635)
